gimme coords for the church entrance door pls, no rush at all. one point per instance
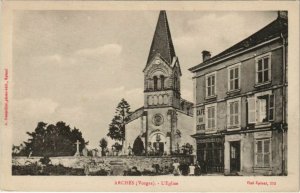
(159, 148)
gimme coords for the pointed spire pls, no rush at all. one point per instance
(162, 42)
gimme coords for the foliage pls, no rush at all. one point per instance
(103, 144)
(138, 146)
(16, 149)
(185, 149)
(117, 146)
(45, 160)
(117, 125)
(101, 172)
(53, 140)
(132, 172)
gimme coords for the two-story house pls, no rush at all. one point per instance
(240, 98)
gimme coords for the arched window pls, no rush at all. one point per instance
(158, 83)
(150, 84)
(155, 82)
(162, 81)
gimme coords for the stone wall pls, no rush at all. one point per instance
(108, 163)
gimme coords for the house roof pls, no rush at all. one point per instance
(272, 30)
(162, 42)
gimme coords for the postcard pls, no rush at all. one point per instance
(150, 96)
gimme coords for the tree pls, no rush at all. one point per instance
(138, 146)
(117, 125)
(117, 147)
(15, 150)
(103, 145)
(19, 150)
(53, 140)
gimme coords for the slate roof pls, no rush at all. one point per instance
(272, 30)
(162, 41)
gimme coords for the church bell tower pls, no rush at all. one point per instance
(162, 72)
(162, 89)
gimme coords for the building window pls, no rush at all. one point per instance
(211, 85)
(234, 77)
(263, 68)
(150, 84)
(162, 79)
(261, 108)
(233, 112)
(211, 116)
(262, 152)
(155, 82)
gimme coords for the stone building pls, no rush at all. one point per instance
(241, 105)
(166, 121)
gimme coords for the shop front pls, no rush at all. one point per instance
(210, 154)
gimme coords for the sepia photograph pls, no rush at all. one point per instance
(165, 93)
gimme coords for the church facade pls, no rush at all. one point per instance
(166, 120)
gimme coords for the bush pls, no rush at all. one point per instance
(34, 169)
(45, 160)
(148, 173)
(101, 172)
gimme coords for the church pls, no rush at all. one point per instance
(165, 122)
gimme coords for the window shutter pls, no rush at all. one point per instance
(266, 153)
(251, 110)
(207, 86)
(255, 152)
(271, 107)
(236, 112)
(214, 117)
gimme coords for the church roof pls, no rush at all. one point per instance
(162, 42)
(272, 30)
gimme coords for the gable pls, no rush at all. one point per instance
(157, 64)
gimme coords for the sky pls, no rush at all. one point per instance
(75, 66)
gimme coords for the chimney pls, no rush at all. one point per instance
(205, 55)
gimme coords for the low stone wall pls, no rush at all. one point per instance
(108, 162)
(68, 161)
